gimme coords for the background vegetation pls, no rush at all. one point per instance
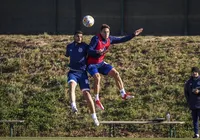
(33, 86)
(84, 138)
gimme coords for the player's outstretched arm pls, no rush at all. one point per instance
(138, 31)
(115, 40)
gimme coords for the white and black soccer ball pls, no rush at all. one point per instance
(88, 21)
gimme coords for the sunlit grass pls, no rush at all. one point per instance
(87, 138)
(33, 75)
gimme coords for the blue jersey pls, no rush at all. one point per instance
(77, 53)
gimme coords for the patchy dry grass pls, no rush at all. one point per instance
(88, 138)
(33, 74)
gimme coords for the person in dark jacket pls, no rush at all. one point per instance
(192, 94)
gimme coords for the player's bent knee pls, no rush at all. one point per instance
(72, 83)
(115, 74)
(97, 77)
(86, 93)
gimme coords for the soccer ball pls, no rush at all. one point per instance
(88, 21)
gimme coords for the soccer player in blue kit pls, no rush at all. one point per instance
(77, 51)
(99, 46)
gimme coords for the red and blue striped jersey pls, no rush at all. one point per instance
(98, 42)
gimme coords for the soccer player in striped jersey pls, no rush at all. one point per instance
(77, 51)
(98, 48)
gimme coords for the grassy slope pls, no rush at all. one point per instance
(88, 138)
(91, 138)
(32, 82)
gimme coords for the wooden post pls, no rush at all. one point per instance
(11, 129)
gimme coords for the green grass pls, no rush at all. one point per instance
(88, 138)
(33, 77)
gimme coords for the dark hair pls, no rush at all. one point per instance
(104, 26)
(78, 32)
(195, 69)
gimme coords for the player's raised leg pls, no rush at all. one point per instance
(97, 80)
(115, 74)
(84, 85)
(91, 106)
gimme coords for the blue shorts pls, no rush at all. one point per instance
(103, 68)
(79, 77)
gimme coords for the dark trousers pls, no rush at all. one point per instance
(195, 118)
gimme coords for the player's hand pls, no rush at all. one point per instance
(101, 51)
(196, 91)
(137, 32)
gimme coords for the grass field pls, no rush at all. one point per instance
(86, 138)
(33, 87)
